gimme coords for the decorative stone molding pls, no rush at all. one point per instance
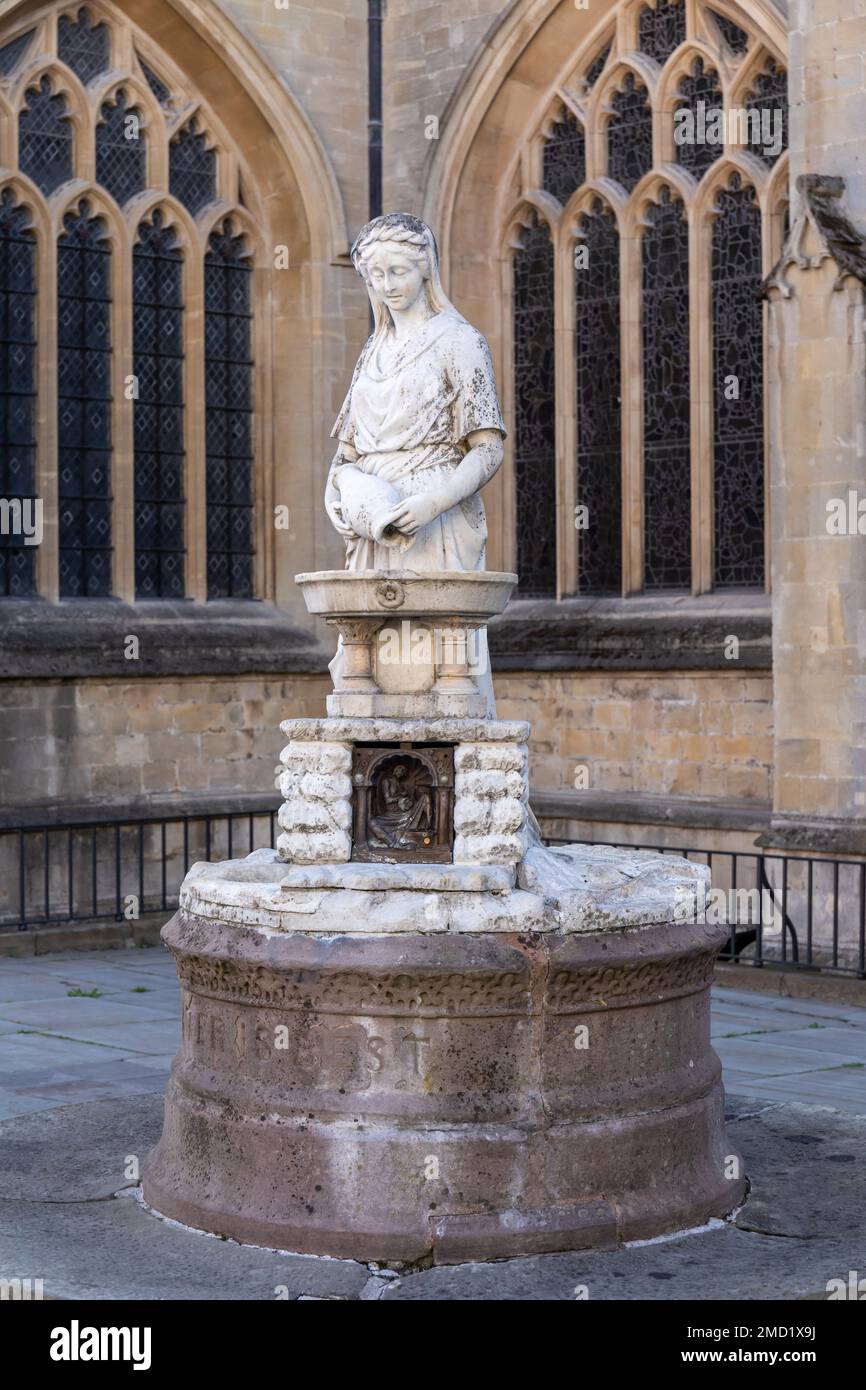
(821, 228)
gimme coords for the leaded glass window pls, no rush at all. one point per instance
(83, 45)
(157, 270)
(700, 93)
(564, 157)
(121, 158)
(229, 401)
(769, 99)
(666, 395)
(192, 168)
(156, 84)
(17, 398)
(597, 358)
(45, 137)
(596, 67)
(662, 28)
(738, 389)
(630, 133)
(12, 53)
(535, 412)
(736, 38)
(84, 392)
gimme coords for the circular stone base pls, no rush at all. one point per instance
(403, 1096)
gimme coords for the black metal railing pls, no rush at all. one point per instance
(782, 910)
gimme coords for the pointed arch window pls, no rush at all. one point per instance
(738, 389)
(84, 388)
(229, 399)
(597, 362)
(144, 401)
(534, 411)
(17, 396)
(45, 137)
(157, 279)
(630, 133)
(121, 156)
(638, 389)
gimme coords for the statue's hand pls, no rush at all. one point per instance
(414, 512)
(335, 515)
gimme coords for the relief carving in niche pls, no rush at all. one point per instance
(403, 804)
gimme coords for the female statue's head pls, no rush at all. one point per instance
(398, 260)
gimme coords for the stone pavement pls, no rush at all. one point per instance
(86, 1041)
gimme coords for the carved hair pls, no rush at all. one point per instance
(413, 238)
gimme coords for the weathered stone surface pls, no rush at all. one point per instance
(489, 1084)
(406, 730)
(440, 878)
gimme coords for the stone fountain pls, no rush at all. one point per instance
(412, 1031)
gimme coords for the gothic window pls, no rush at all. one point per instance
(144, 397)
(666, 396)
(17, 395)
(564, 158)
(638, 383)
(534, 412)
(121, 163)
(45, 137)
(597, 358)
(769, 101)
(738, 389)
(12, 53)
(630, 133)
(192, 176)
(701, 95)
(228, 393)
(157, 269)
(84, 404)
(736, 38)
(662, 28)
(83, 45)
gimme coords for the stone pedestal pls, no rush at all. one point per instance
(412, 1032)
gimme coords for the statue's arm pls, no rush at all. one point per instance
(476, 468)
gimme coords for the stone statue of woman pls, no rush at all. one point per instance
(420, 431)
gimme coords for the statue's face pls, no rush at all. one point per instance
(395, 278)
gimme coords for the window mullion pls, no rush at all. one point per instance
(632, 411)
(701, 357)
(122, 427)
(47, 554)
(566, 434)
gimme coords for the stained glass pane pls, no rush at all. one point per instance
(17, 399)
(84, 404)
(768, 113)
(157, 278)
(229, 407)
(156, 84)
(45, 137)
(665, 332)
(738, 389)
(534, 413)
(630, 134)
(663, 29)
(736, 38)
(121, 163)
(192, 168)
(699, 135)
(12, 53)
(84, 46)
(597, 353)
(564, 158)
(595, 69)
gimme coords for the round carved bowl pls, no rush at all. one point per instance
(406, 1097)
(478, 594)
